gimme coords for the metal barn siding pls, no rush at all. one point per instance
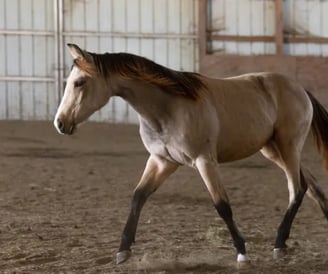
(306, 18)
(302, 18)
(242, 18)
(35, 61)
(27, 62)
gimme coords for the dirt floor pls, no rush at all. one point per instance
(64, 202)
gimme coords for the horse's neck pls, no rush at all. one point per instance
(147, 100)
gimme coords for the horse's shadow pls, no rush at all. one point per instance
(182, 265)
(199, 265)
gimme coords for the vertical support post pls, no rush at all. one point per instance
(56, 53)
(279, 31)
(202, 28)
(61, 46)
(59, 56)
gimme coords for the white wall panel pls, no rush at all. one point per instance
(3, 99)
(13, 109)
(12, 55)
(257, 17)
(3, 15)
(243, 18)
(40, 101)
(244, 26)
(314, 25)
(27, 47)
(3, 59)
(256, 28)
(26, 66)
(229, 26)
(324, 26)
(307, 18)
(269, 25)
(52, 101)
(27, 98)
(295, 24)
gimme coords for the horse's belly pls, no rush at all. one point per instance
(233, 155)
(241, 146)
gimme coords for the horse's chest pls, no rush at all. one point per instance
(166, 147)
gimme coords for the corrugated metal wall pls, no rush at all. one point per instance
(246, 17)
(27, 59)
(305, 18)
(33, 58)
(34, 61)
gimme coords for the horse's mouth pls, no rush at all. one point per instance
(71, 129)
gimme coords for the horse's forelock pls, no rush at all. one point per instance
(85, 66)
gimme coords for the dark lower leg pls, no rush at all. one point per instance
(224, 210)
(316, 193)
(128, 236)
(320, 198)
(285, 226)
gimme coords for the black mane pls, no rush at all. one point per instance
(187, 84)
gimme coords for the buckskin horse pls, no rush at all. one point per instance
(190, 119)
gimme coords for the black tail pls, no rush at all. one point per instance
(320, 127)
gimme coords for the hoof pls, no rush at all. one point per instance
(122, 256)
(242, 261)
(278, 253)
(242, 258)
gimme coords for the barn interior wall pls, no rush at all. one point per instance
(33, 57)
(26, 62)
(249, 36)
(257, 17)
(162, 30)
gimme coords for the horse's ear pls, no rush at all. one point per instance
(76, 52)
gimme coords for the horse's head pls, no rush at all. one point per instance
(85, 92)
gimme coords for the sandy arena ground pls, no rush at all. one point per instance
(64, 202)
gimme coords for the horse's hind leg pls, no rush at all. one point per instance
(156, 171)
(287, 156)
(208, 170)
(315, 192)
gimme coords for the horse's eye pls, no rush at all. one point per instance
(79, 83)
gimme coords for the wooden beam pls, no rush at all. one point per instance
(279, 32)
(266, 39)
(306, 39)
(202, 26)
(241, 38)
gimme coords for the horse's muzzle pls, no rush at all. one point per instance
(64, 128)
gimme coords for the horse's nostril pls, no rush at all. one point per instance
(60, 125)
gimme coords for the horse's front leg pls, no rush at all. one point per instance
(208, 170)
(156, 171)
